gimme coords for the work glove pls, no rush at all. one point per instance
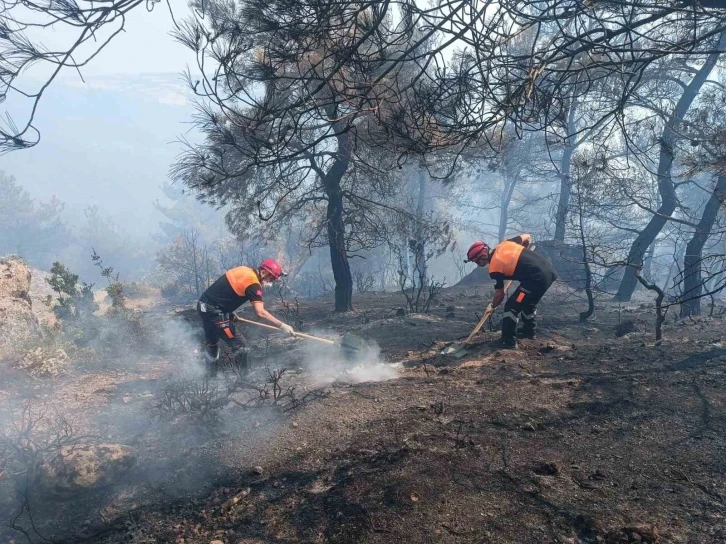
(489, 308)
(288, 329)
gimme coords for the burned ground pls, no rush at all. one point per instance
(579, 436)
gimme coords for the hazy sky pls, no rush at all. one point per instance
(110, 141)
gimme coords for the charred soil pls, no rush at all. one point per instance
(579, 436)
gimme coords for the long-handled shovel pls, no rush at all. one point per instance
(349, 344)
(458, 349)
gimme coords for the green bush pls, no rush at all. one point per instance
(73, 300)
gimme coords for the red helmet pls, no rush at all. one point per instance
(272, 267)
(477, 251)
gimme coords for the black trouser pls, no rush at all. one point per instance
(523, 301)
(218, 325)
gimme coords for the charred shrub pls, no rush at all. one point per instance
(34, 432)
(363, 281)
(199, 398)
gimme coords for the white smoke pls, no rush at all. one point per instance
(180, 341)
(328, 364)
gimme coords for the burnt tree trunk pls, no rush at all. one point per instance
(666, 189)
(563, 204)
(677, 256)
(336, 226)
(509, 185)
(191, 243)
(421, 266)
(692, 280)
(660, 312)
(649, 260)
(584, 316)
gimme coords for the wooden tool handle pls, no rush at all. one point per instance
(484, 318)
(297, 334)
(316, 338)
(249, 322)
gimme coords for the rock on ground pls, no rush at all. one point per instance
(633, 534)
(17, 322)
(79, 468)
(626, 327)
(45, 361)
(39, 293)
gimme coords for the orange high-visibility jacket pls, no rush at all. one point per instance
(505, 256)
(240, 278)
(237, 286)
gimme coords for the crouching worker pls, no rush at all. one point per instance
(223, 297)
(512, 260)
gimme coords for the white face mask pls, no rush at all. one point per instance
(266, 284)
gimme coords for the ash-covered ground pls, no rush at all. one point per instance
(580, 436)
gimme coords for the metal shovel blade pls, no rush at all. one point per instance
(352, 346)
(459, 354)
(454, 348)
(352, 342)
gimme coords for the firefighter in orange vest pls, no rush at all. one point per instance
(512, 260)
(224, 296)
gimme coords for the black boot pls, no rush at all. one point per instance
(509, 330)
(211, 360)
(529, 325)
